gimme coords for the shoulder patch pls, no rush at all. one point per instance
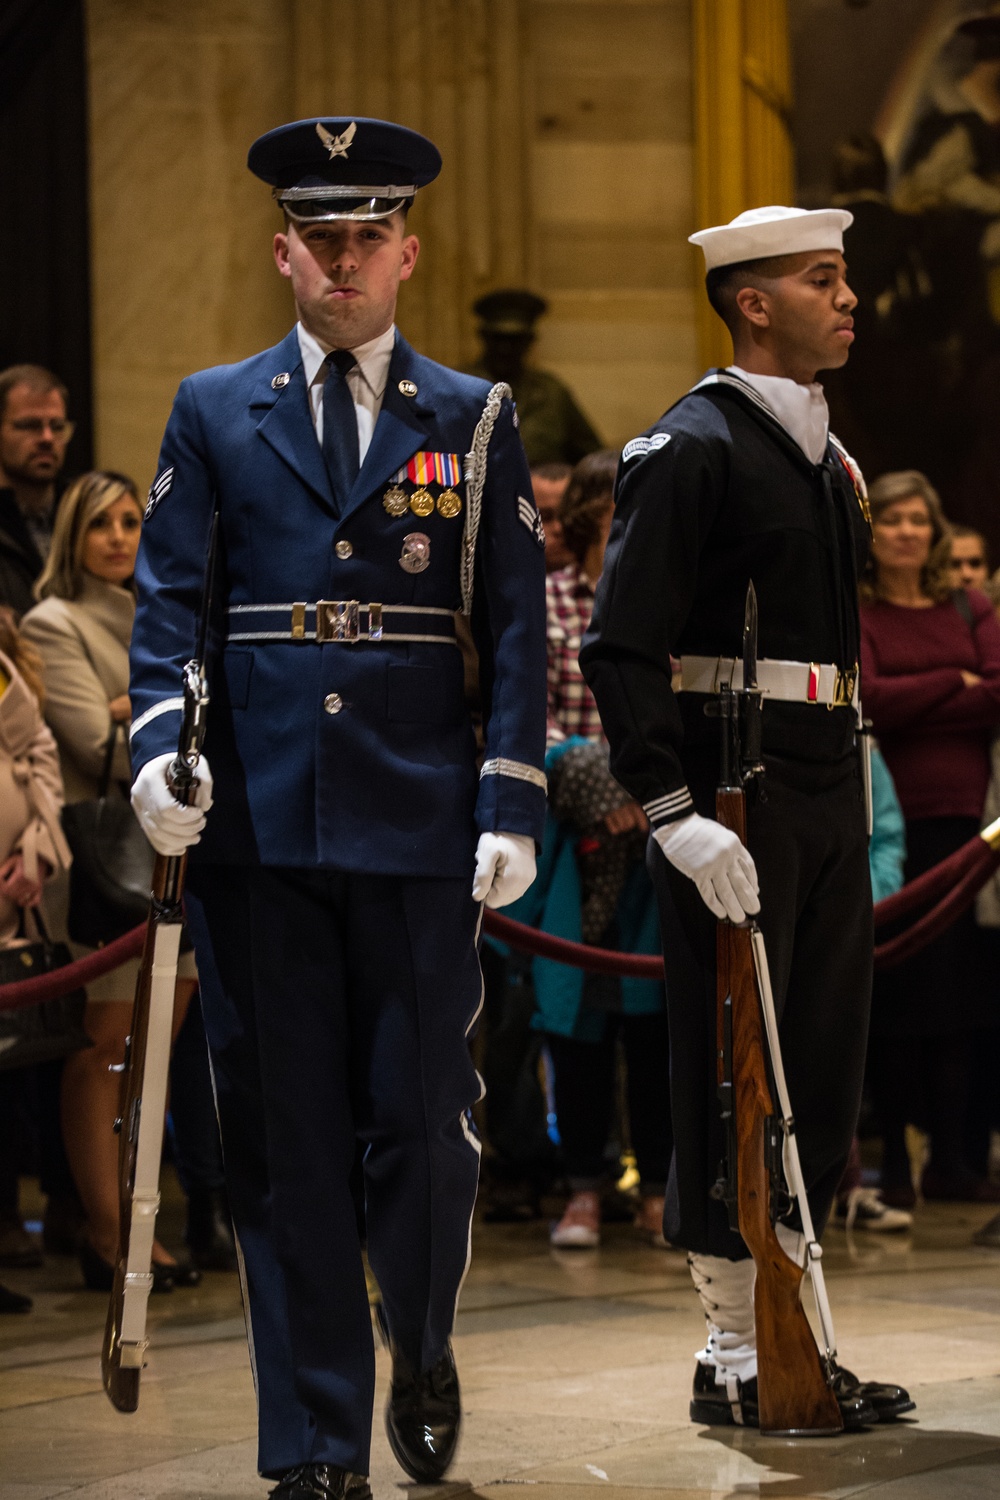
(158, 490)
(528, 516)
(644, 445)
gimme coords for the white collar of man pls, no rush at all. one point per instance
(372, 358)
(762, 232)
(801, 409)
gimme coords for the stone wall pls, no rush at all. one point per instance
(566, 129)
(582, 140)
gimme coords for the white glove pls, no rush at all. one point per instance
(718, 863)
(170, 826)
(505, 867)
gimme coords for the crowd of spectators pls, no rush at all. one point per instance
(67, 604)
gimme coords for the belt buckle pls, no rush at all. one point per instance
(338, 620)
(843, 692)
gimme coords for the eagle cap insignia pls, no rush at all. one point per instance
(336, 145)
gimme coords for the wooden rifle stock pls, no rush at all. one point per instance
(140, 1126)
(794, 1394)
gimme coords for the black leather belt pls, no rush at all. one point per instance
(340, 620)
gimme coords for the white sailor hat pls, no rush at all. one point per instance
(762, 232)
(341, 168)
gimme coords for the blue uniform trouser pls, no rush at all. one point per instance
(337, 1009)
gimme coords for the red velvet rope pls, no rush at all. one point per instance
(942, 877)
(24, 992)
(960, 876)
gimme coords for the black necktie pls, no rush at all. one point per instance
(340, 425)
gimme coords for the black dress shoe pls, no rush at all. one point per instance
(321, 1482)
(169, 1274)
(17, 1248)
(711, 1406)
(888, 1401)
(424, 1412)
(99, 1274)
(989, 1235)
(13, 1302)
(209, 1231)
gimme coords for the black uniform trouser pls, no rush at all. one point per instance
(337, 1009)
(806, 832)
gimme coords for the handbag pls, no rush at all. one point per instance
(112, 871)
(39, 1033)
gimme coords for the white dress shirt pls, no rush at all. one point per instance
(801, 409)
(366, 380)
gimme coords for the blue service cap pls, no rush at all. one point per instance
(343, 168)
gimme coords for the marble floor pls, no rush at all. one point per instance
(575, 1368)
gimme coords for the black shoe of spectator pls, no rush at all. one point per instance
(209, 1231)
(511, 1203)
(989, 1235)
(17, 1248)
(13, 1302)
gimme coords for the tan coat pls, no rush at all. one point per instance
(84, 645)
(31, 791)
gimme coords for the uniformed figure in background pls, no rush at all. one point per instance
(365, 495)
(553, 428)
(742, 481)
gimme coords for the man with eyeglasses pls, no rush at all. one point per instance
(34, 433)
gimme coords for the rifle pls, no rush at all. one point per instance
(762, 1173)
(147, 1056)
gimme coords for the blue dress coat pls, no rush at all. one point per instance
(386, 782)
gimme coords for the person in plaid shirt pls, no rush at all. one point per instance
(610, 830)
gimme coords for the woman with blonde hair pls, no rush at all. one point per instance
(81, 628)
(930, 682)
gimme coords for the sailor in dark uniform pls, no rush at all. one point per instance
(742, 481)
(365, 496)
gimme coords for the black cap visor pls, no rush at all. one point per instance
(326, 204)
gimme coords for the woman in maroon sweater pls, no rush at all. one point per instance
(930, 683)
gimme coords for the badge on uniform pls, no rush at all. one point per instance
(158, 490)
(645, 445)
(416, 554)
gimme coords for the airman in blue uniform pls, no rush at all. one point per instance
(365, 496)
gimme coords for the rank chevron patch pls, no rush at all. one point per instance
(529, 517)
(158, 490)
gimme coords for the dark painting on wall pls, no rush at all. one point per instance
(44, 213)
(918, 163)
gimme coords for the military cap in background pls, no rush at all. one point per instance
(341, 168)
(553, 428)
(512, 310)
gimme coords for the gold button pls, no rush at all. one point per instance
(333, 703)
(344, 549)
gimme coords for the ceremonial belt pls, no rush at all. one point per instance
(784, 681)
(340, 620)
